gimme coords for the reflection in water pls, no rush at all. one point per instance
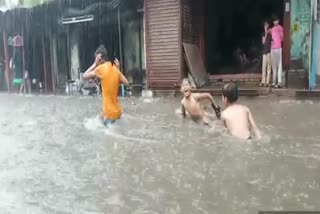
(55, 157)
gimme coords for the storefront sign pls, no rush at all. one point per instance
(287, 7)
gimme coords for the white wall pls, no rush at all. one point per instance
(131, 44)
(74, 52)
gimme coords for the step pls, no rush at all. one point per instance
(165, 93)
(242, 91)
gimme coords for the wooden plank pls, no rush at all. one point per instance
(195, 64)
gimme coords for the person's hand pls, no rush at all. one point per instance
(98, 60)
(217, 110)
(116, 62)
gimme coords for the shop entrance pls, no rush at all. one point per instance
(232, 34)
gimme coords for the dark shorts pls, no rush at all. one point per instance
(108, 122)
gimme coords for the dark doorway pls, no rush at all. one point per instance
(104, 34)
(232, 27)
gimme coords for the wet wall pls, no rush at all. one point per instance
(318, 48)
(315, 59)
(74, 54)
(300, 31)
(132, 47)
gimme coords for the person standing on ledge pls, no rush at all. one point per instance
(276, 52)
(266, 61)
(110, 77)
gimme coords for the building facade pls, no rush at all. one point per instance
(60, 37)
(171, 23)
(151, 35)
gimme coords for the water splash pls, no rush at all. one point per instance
(94, 124)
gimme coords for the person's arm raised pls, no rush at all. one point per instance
(90, 72)
(207, 96)
(183, 111)
(123, 79)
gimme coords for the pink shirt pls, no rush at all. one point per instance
(277, 37)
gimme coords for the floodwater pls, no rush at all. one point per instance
(56, 158)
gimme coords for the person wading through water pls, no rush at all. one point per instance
(110, 77)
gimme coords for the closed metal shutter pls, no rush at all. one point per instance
(189, 34)
(163, 43)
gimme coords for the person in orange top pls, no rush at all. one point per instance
(110, 77)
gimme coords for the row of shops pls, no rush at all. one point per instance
(161, 41)
(60, 37)
(218, 29)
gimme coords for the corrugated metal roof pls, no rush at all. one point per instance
(12, 4)
(48, 12)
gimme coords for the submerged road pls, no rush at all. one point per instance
(56, 158)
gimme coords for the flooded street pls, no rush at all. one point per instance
(56, 158)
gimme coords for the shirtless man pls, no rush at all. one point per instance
(190, 104)
(237, 118)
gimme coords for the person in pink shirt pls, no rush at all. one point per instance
(276, 53)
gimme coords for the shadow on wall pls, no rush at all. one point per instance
(137, 79)
(136, 76)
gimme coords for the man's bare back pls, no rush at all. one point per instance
(237, 118)
(237, 121)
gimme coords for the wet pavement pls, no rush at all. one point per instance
(56, 158)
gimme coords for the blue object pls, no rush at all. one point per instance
(17, 81)
(314, 65)
(123, 91)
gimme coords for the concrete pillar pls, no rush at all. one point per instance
(74, 54)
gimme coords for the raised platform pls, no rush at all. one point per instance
(250, 92)
(298, 93)
(235, 77)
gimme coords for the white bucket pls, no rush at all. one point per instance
(72, 88)
(147, 93)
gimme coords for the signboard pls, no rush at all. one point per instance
(287, 7)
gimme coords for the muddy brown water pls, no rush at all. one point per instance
(56, 158)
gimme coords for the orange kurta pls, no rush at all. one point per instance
(110, 78)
